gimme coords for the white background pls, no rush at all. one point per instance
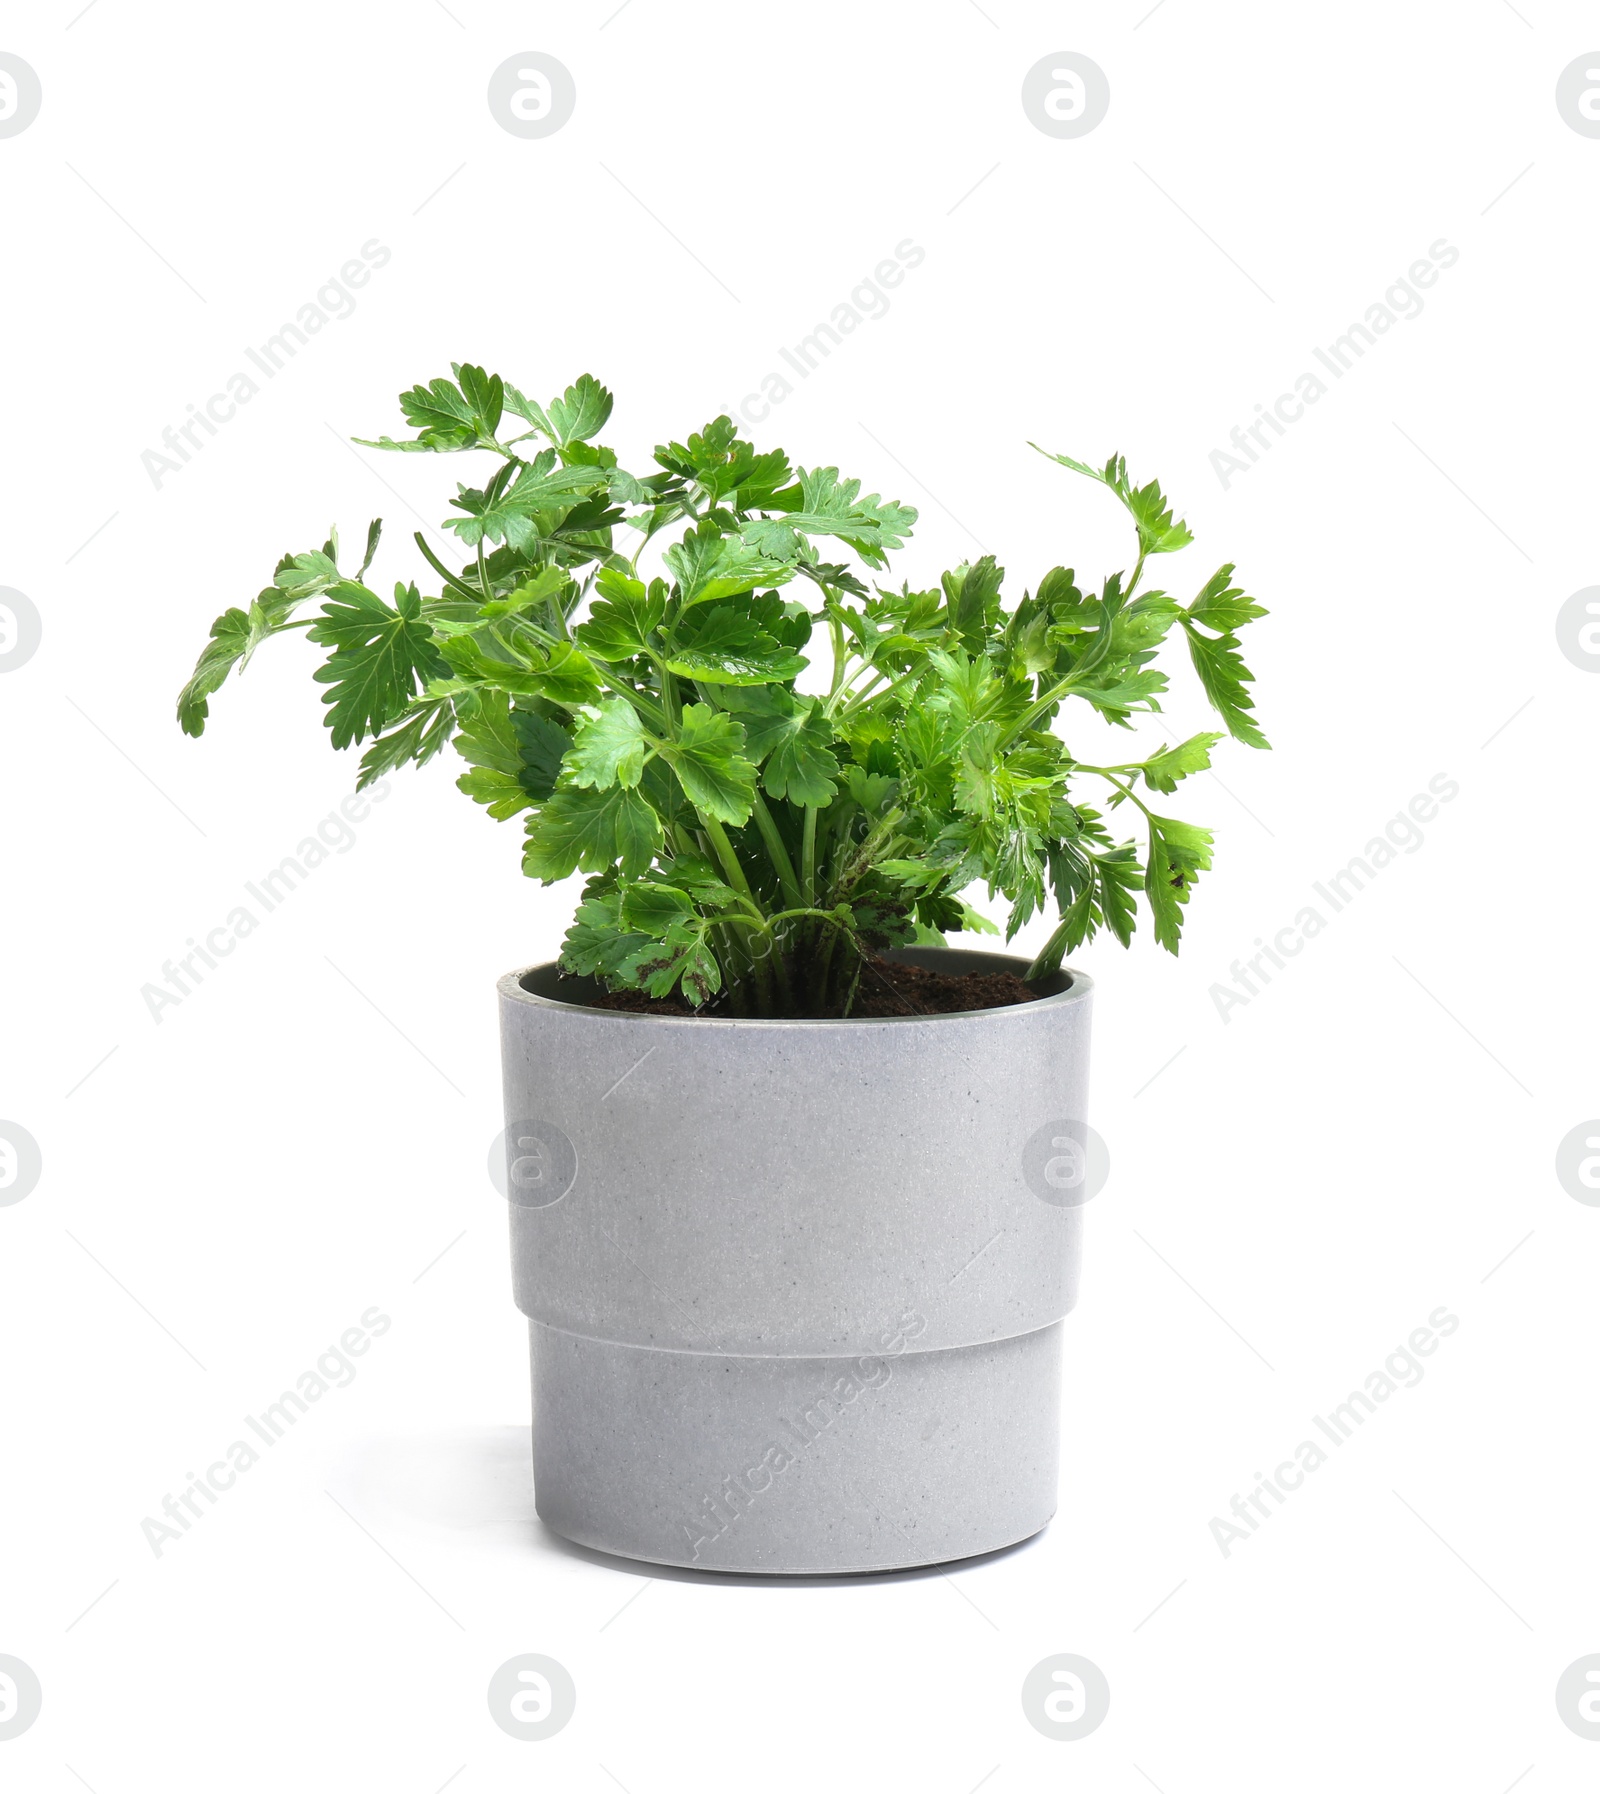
(301, 1138)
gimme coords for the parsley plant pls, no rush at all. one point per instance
(747, 840)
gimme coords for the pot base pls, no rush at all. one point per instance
(795, 1466)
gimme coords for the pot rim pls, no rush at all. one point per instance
(1076, 988)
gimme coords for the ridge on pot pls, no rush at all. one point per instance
(796, 1288)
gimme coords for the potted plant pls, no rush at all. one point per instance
(794, 1187)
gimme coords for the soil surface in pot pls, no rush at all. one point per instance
(886, 989)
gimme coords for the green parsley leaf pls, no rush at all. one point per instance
(511, 516)
(580, 411)
(623, 619)
(1162, 771)
(563, 674)
(597, 944)
(421, 732)
(652, 909)
(1158, 533)
(235, 636)
(305, 575)
(1221, 606)
(724, 645)
(443, 417)
(381, 655)
(1179, 853)
(501, 794)
(708, 565)
(1117, 875)
(825, 505)
(682, 957)
(711, 767)
(793, 745)
(609, 746)
(1225, 678)
(517, 754)
(973, 596)
(547, 583)
(593, 830)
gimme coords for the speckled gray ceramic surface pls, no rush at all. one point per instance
(795, 1287)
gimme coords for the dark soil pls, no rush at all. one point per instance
(890, 989)
(636, 1002)
(885, 989)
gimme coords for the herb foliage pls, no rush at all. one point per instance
(751, 835)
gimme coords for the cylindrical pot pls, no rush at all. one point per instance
(795, 1288)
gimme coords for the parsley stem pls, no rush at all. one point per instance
(727, 858)
(867, 852)
(1126, 790)
(840, 657)
(862, 694)
(649, 711)
(444, 572)
(816, 915)
(1054, 695)
(669, 717)
(761, 969)
(781, 862)
(646, 707)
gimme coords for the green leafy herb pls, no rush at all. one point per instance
(748, 841)
(381, 656)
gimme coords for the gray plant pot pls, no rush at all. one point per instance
(795, 1288)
